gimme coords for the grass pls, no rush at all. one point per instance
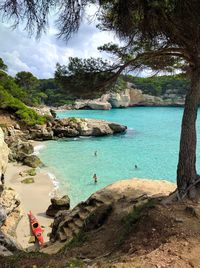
(129, 220)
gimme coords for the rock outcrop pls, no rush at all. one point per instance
(97, 104)
(32, 161)
(58, 204)
(86, 215)
(74, 127)
(4, 152)
(11, 212)
(103, 207)
(19, 150)
(41, 132)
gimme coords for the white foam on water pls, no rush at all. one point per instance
(85, 137)
(55, 184)
(38, 148)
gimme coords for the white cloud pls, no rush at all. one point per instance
(22, 53)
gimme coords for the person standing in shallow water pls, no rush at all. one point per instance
(95, 178)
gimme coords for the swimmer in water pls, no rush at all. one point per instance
(95, 153)
(95, 178)
(136, 167)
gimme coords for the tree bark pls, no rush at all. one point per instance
(186, 169)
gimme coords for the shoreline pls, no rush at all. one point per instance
(34, 196)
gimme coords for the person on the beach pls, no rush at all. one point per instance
(95, 153)
(95, 178)
(2, 179)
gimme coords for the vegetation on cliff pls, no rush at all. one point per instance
(13, 99)
(159, 85)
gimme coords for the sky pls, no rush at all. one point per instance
(22, 53)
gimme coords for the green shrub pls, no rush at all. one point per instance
(26, 114)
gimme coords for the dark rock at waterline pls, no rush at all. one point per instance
(58, 204)
(41, 132)
(53, 113)
(32, 161)
(116, 128)
(73, 127)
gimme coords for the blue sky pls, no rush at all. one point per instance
(22, 53)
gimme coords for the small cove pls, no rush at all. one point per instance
(151, 143)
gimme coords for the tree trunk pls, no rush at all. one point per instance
(186, 170)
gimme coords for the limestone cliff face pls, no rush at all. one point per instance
(118, 100)
(4, 152)
(133, 97)
(97, 104)
(130, 97)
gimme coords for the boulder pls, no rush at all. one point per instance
(19, 150)
(116, 128)
(8, 245)
(58, 204)
(32, 161)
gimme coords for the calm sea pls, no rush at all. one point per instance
(151, 143)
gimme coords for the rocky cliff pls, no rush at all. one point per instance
(9, 208)
(127, 98)
(4, 153)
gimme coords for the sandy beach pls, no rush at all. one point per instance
(34, 196)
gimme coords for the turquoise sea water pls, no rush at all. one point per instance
(151, 143)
